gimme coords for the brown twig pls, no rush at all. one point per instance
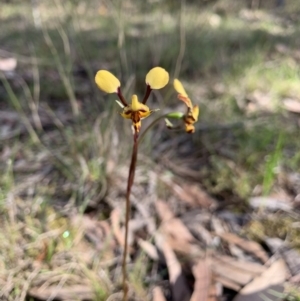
(128, 191)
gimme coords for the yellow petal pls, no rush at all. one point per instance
(195, 113)
(137, 106)
(107, 82)
(179, 87)
(157, 78)
(126, 115)
(145, 114)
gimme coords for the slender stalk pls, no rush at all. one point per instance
(130, 180)
(128, 191)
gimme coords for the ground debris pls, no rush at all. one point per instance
(269, 284)
(74, 292)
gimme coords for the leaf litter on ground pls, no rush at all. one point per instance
(182, 224)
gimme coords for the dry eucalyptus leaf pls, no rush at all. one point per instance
(202, 274)
(115, 222)
(231, 273)
(247, 266)
(158, 295)
(180, 291)
(248, 246)
(228, 283)
(74, 292)
(269, 203)
(268, 286)
(292, 105)
(149, 249)
(163, 210)
(8, 64)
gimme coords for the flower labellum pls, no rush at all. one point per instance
(136, 111)
(179, 88)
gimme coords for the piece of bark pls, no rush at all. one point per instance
(268, 286)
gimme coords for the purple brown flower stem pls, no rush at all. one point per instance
(147, 94)
(127, 216)
(121, 97)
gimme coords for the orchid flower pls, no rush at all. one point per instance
(156, 78)
(191, 116)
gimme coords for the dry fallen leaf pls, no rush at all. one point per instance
(158, 295)
(149, 249)
(287, 252)
(292, 105)
(177, 234)
(247, 245)
(260, 101)
(192, 194)
(270, 203)
(230, 272)
(180, 291)
(163, 210)
(75, 292)
(202, 274)
(228, 283)
(249, 267)
(268, 286)
(115, 222)
(8, 64)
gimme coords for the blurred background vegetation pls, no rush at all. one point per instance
(62, 141)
